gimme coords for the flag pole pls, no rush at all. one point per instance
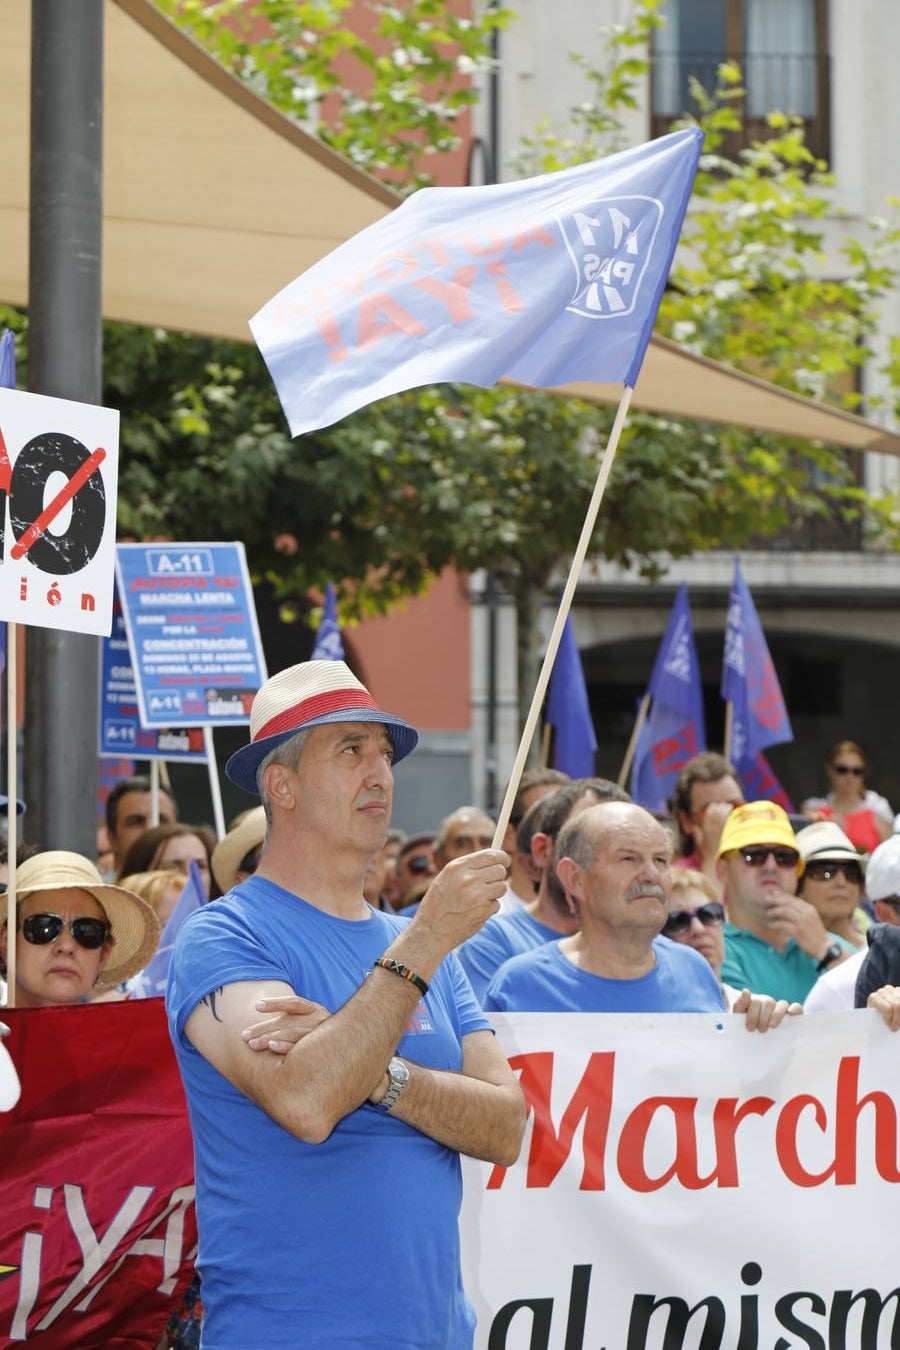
(215, 787)
(729, 724)
(562, 614)
(12, 819)
(632, 744)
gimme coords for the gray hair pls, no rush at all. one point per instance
(287, 753)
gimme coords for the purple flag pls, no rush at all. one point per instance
(546, 281)
(750, 685)
(568, 711)
(328, 645)
(7, 360)
(675, 730)
(151, 981)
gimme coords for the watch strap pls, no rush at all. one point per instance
(398, 1081)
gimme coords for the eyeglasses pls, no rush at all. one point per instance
(421, 863)
(825, 870)
(856, 769)
(757, 856)
(39, 929)
(679, 922)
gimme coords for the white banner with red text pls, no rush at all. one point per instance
(687, 1185)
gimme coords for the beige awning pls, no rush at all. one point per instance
(213, 202)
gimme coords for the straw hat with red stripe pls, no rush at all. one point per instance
(310, 695)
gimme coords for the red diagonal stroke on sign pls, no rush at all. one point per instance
(62, 498)
(5, 466)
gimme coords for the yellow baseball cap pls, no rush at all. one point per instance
(757, 823)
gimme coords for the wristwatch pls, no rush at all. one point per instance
(398, 1075)
(835, 950)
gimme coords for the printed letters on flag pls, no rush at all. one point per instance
(675, 730)
(750, 685)
(328, 645)
(96, 1179)
(569, 712)
(547, 280)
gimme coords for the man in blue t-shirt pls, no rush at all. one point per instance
(613, 863)
(334, 1058)
(547, 917)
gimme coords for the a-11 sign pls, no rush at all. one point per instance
(58, 479)
(195, 647)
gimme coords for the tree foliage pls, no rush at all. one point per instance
(496, 478)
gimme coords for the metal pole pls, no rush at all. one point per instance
(65, 361)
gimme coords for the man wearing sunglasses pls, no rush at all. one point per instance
(775, 942)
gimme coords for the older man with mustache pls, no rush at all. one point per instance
(613, 862)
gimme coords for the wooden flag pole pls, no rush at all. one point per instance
(632, 744)
(12, 818)
(729, 727)
(562, 614)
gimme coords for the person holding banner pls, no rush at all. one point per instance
(327, 1135)
(613, 863)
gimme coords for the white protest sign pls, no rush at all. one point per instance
(58, 479)
(687, 1185)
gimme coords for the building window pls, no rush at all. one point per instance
(780, 45)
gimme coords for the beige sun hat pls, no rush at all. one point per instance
(134, 925)
(247, 832)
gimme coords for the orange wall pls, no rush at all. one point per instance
(416, 659)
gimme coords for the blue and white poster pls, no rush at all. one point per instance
(120, 732)
(192, 632)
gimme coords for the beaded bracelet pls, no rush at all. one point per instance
(386, 963)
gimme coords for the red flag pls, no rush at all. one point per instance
(96, 1179)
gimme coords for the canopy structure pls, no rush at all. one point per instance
(213, 202)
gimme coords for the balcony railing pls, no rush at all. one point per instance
(772, 82)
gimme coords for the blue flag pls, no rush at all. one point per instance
(568, 711)
(328, 645)
(675, 730)
(546, 281)
(7, 360)
(151, 981)
(750, 685)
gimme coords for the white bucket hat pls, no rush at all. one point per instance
(310, 695)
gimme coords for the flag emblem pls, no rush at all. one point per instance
(610, 243)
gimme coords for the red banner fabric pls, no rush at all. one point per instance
(96, 1180)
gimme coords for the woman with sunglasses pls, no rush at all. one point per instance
(865, 817)
(75, 935)
(832, 880)
(697, 919)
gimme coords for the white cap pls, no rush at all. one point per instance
(883, 871)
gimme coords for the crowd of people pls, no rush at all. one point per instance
(328, 1010)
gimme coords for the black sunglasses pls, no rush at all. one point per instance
(678, 923)
(756, 856)
(39, 929)
(850, 768)
(418, 864)
(824, 870)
